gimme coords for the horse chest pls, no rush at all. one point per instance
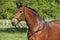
(41, 35)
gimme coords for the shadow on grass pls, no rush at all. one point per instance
(13, 30)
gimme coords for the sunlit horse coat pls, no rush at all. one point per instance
(38, 28)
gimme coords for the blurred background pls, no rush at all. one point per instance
(47, 9)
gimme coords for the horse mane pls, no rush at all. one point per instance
(36, 13)
(32, 9)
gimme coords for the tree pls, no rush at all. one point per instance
(45, 8)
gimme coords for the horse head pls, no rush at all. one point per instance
(19, 14)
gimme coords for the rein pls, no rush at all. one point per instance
(23, 12)
(40, 29)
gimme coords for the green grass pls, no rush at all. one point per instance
(13, 34)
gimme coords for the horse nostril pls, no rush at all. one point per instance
(13, 23)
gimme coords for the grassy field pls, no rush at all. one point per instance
(13, 34)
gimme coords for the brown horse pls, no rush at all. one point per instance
(38, 29)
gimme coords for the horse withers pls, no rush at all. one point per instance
(38, 29)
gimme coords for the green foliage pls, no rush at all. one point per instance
(45, 8)
(7, 9)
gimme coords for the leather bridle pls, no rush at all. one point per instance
(23, 12)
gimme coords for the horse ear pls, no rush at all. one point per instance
(19, 5)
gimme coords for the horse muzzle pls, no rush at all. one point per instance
(13, 24)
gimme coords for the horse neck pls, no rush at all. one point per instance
(34, 22)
